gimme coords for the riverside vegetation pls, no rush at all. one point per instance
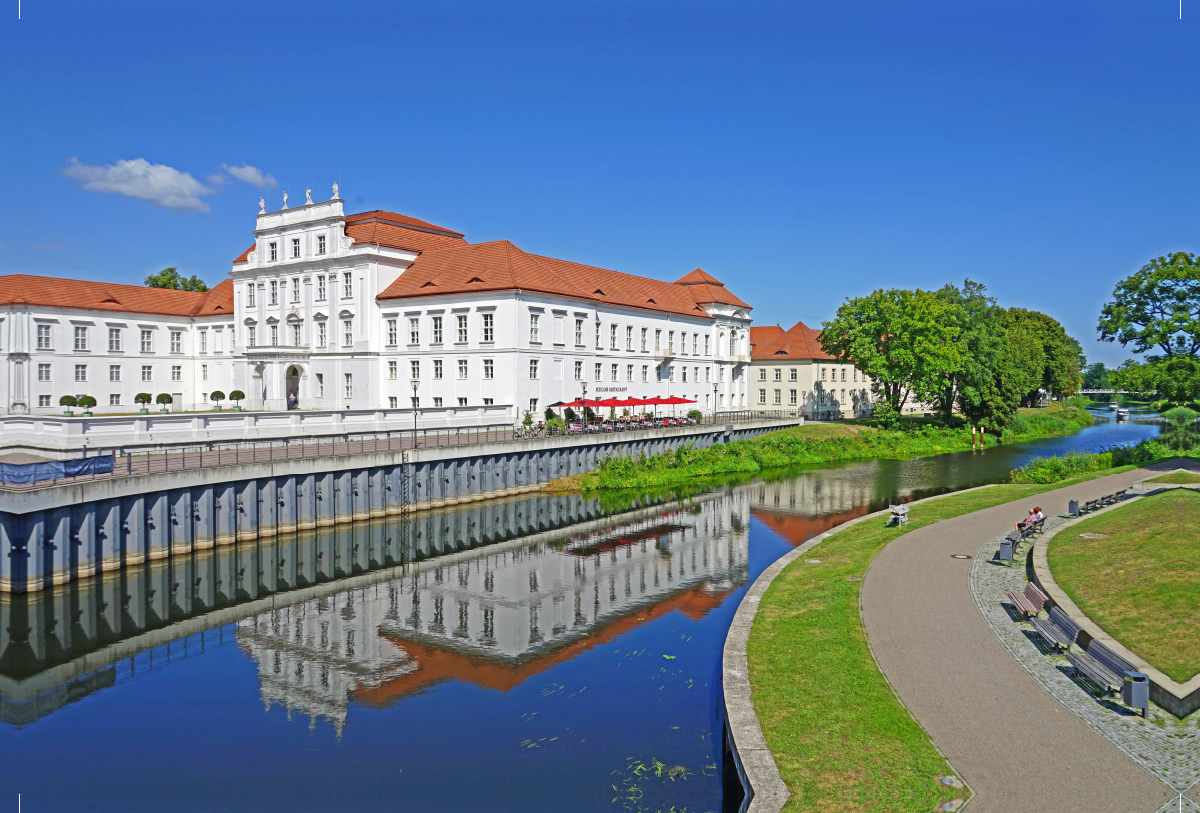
(810, 445)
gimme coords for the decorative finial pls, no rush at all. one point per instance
(335, 191)
(262, 206)
(285, 200)
(307, 195)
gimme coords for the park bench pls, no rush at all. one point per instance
(1100, 665)
(1019, 535)
(1030, 602)
(1089, 506)
(1058, 630)
(899, 514)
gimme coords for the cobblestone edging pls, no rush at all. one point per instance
(1166, 747)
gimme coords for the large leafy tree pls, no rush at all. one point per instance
(980, 325)
(171, 278)
(1015, 370)
(1173, 378)
(1157, 308)
(905, 340)
(1057, 368)
(1095, 376)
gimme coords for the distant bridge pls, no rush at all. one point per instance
(1104, 392)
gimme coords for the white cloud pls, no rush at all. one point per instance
(251, 175)
(158, 184)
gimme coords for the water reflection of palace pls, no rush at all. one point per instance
(498, 615)
(803, 506)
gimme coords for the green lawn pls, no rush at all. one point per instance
(841, 739)
(1177, 478)
(1141, 582)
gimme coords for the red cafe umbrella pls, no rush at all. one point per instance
(675, 400)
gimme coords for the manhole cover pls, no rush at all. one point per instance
(959, 556)
(812, 561)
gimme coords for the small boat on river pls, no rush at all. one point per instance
(1113, 406)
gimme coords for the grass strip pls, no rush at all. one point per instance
(841, 738)
(1178, 478)
(1140, 580)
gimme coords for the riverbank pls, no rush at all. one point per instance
(812, 444)
(837, 732)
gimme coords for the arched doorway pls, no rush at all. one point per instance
(293, 387)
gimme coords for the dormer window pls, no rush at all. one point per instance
(320, 244)
(295, 247)
(274, 253)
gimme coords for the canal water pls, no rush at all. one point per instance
(573, 667)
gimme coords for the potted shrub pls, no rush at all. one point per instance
(163, 400)
(142, 399)
(695, 414)
(216, 396)
(235, 396)
(87, 402)
(68, 401)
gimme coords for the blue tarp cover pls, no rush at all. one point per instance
(54, 469)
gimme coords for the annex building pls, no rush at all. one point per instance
(790, 371)
(376, 310)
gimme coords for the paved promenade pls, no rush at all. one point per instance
(1014, 744)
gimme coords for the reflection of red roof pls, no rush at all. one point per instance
(104, 296)
(435, 665)
(800, 342)
(798, 529)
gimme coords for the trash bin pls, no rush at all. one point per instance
(1073, 508)
(1006, 551)
(1135, 692)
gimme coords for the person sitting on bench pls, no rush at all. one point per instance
(1029, 520)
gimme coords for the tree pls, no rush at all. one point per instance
(142, 398)
(1095, 376)
(170, 278)
(1174, 378)
(236, 396)
(163, 399)
(980, 324)
(904, 340)
(87, 402)
(217, 396)
(1061, 357)
(68, 401)
(1157, 307)
(1016, 370)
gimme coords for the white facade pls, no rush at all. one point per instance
(817, 388)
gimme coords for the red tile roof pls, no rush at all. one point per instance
(800, 342)
(501, 266)
(241, 258)
(75, 294)
(704, 288)
(393, 230)
(396, 219)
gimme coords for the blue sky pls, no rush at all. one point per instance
(801, 152)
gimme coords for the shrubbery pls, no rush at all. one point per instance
(1053, 469)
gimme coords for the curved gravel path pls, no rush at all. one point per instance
(1011, 742)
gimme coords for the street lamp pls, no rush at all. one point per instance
(714, 402)
(415, 383)
(584, 399)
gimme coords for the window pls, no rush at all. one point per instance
(579, 371)
(657, 340)
(822, 373)
(114, 372)
(393, 402)
(613, 373)
(176, 373)
(393, 370)
(599, 376)
(670, 341)
(416, 402)
(762, 374)
(628, 372)
(321, 286)
(437, 330)
(644, 332)
(43, 372)
(114, 340)
(534, 322)
(437, 402)
(393, 334)
(321, 334)
(250, 335)
(489, 401)
(533, 368)
(43, 341)
(81, 338)
(578, 332)
(533, 405)
(628, 337)
(347, 332)
(462, 369)
(733, 343)
(645, 373)
(462, 401)
(778, 374)
(658, 373)
(81, 372)
(778, 400)
(437, 369)
(349, 382)
(203, 372)
(204, 341)
(843, 373)
(855, 373)
(598, 344)
(295, 289)
(721, 375)
(114, 399)
(176, 341)
(414, 370)
(685, 375)
(489, 332)
(792, 373)
(762, 396)
(708, 375)
(43, 400)
(462, 327)
(295, 247)
(274, 253)
(296, 334)
(671, 373)
(274, 335)
(706, 344)
(321, 248)
(488, 370)
(347, 285)
(274, 292)
(612, 337)
(792, 397)
(250, 295)
(695, 343)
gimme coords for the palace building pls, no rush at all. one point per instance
(377, 310)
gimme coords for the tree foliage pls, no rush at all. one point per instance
(979, 324)
(170, 278)
(1157, 308)
(1173, 378)
(1095, 376)
(1060, 358)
